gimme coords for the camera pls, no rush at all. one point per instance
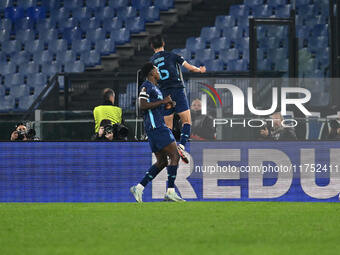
(334, 124)
(119, 131)
(21, 135)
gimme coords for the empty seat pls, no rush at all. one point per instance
(95, 34)
(105, 13)
(233, 33)
(11, 46)
(83, 13)
(52, 68)
(51, 4)
(48, 34)
(36, 79)
(2, 91)
(320, 30)
(118, 3)
(127, 12)
(282, 11)
(253, 2)
(34, 46)
(24, 23)
(240, 65)
(25, 102)
(243, 43)
(214, 65)
(262, 11)
(277, 2)
(209, 33)
(74, 67)
(66, 56)
(110, 24)
(68, 23)
(14, 79)
(139, 4)
(281, 65)
(239, 10)
(318, 43)
(5, 3)
(59, 45)
(120, 36)
(229, 55)
(194, 43)
(81, 45)
(43, 57)
(222, 22)
(25, 35)
(149, 14)
(91, 23)
(21, 57)
(19, 91)
(26, 3)
(106, 47)
(46, 24)
(204, 55)
(183, 53)
(74, 4)
(7, 103)
(5, 24)
(305, 10)
(14, 13)
(29, 68)
(278, 31)
(222, 43)
(36, 13)
(135, 25)
(71, 34)
(4, 35)
(90, 58)
(164, 5)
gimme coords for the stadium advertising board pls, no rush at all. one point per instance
(104, 172)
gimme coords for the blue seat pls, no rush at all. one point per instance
(318, 43)
(48, 34)
(25, 102)
(51, 4)
(243, 43)
(53, 68)
(222, 22)
(43, 57)
(36, 13)
(273, 42)
(5, 24)
(19, 91)
(222, 43)
(105, 13)
(195, 43)
(71, 34)
(265, 65)
(75, 67)
(14, 13)
(14, 79)
(263, 11)
(68, 23)
(139, 4)
(83, 13)
(7, 67)
(90, 58)
(320, 30)
(7, 103)
(240, 65)
(4, 35)
(34, 46)
(282, 11)
(302, 2)
(91, 23)
(2, 91)
(47, 23)
(95, 4)
(74, 4)
(112, 24)
(95, 34)
(25, 35)
(281, 65)
(67, 56)
(118, 3)
(106, 47)
(277, 31)
(204, 55)
(261, 53)
(29, 68)
(36, 79)
(229, 55)
(24, 23)
(244, 54)
(81, 45)
(26, 3)
(21, 57)
(164, 5)
(277, 2)
(242, 22)
(126, 12)
(121, 36)
(278, 54)
(5, 3)
(11, 46)
(303, 32)
(214, 65)
(253, 2)
(135, 25)
(149, 14)
(239, 10)
(210, 33)
(60, 15)
(234, 33)
(59, 45)
(305, 10)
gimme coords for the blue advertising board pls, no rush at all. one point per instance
(218, 171)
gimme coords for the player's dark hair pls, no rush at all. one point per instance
(156, 41)
(107, 93)
(146, 69)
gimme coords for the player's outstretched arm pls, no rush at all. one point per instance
(194, 69)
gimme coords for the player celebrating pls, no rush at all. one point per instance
(171, 84)
(161, 139)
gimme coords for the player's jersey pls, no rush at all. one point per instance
(153, 118)
(166, 62)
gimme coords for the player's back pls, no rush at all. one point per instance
(153, 118)
(167, 64)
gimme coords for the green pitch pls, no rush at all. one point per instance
(170, 228)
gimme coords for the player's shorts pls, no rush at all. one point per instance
(179, 96)
(160, 138)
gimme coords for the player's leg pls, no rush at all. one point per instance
(169, 120)
(186, 126)
(172, 152)
(153, 171)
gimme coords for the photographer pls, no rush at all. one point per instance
(22, 133)
(202, 125)
(334, 132)
(108, 132)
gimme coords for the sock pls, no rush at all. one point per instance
(170, 190)
(172, 172)
(150, 174)
(140, 187)
(185, 133)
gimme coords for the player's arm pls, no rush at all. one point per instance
(145, 105)
(194, 69)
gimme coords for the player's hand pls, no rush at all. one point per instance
(203, 69)
(167, 100)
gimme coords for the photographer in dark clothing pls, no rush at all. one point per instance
(22, 133)
(202, 125)
(334, 131)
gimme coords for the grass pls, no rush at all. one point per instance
(170, 228)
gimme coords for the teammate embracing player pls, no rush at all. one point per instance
(170, 83)
(161, 139)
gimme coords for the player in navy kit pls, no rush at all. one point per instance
(161, 139)
(171, 84)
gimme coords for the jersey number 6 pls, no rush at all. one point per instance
(164, 74)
